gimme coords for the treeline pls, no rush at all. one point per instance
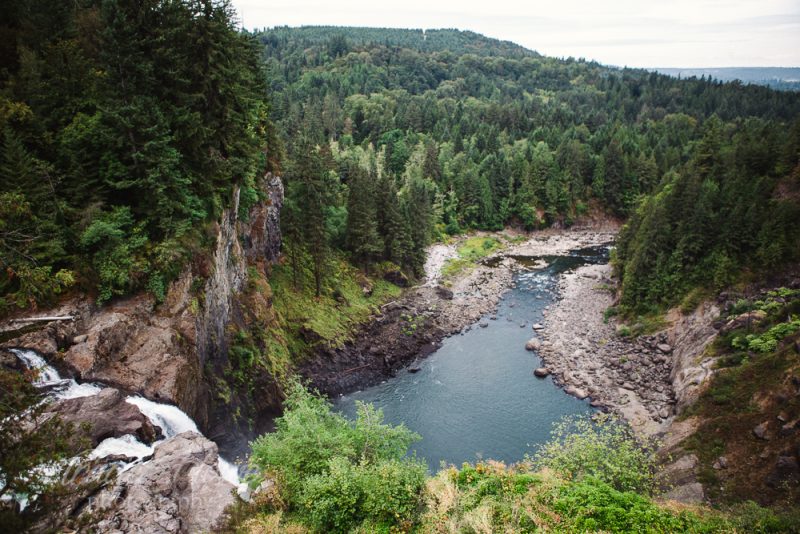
(734, 206)
(507, 138)
(124, 125)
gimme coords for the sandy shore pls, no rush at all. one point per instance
(560, 242)
(478, 292)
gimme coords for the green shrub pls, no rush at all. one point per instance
(593, 505)
(768, 341)
(624, 331)
(604, 448)
(337, 474)
(114, 246)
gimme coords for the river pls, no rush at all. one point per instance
(476, 396)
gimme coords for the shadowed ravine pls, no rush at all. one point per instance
(476, 397)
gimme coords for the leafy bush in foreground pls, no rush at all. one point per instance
(339, 476)
(336, 474)
(603, 447)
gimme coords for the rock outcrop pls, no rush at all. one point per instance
(175, 351)
(107, 415)
(586, 355)
(261, 233)
(179, 491)
(690, 334)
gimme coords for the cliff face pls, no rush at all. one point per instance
(177, 351)
(690, 335)
(254, 241)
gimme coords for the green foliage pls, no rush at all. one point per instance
(593, 505)
(411, 323)
(713, 217)
(34, 449)
(490, 497)
(469, 252)
(768, 341)
(502, 135)
(337, 474)
(115, 246)
(125, 121)
(340, 476)
(603, 447)
(304, 320)
(26, 282)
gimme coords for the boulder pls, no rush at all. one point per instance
(581, 393)
(751, 318)
(664, 348)
(760, 431)
(785, 472)
(533, 343)
(445, 293)
(179, 491)
(721, 463)
(691, 493)
(541, 372)
(396, 277)
(538, 326)
(9, 361)
(108, 416)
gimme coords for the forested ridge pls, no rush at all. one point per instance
(124, 127)
(477, 133)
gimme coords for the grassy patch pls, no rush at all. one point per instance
(305, 320)
(470, 251)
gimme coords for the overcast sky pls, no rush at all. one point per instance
(636, 33)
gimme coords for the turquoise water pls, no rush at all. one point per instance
(476, 397)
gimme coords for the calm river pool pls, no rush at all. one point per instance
(476, 397)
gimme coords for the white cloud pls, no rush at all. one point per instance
(640, 33)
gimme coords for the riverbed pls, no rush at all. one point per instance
(476, 396)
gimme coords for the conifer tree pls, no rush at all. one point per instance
(362, 237)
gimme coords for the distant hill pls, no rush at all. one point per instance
(783, 78)
(416, 39)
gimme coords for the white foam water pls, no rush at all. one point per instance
(171, 419)
(45, 374)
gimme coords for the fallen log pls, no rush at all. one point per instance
(44, 319)
(346, 371)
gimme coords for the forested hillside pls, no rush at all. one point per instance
(476, 133)
(123, 128)
(113, 158)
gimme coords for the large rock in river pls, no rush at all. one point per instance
(108, 416)
(179, 491)
(533, 344)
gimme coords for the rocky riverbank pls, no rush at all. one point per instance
(584, 353)
(413, 326)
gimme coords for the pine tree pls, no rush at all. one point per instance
(310, 192)
(391, 222)
(362, 237)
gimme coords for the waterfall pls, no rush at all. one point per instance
(46, 375)
(171, 419)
